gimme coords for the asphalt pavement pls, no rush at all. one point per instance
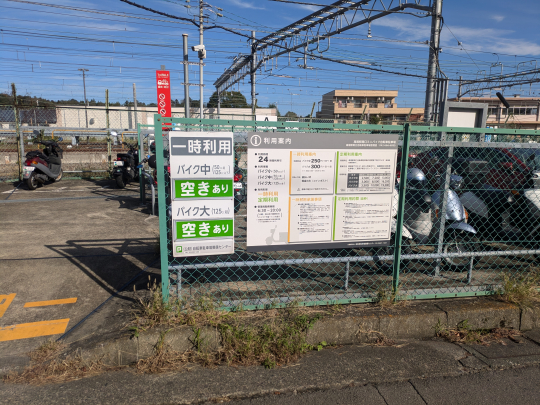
(504, 387)
(66, 248)
(413, 372)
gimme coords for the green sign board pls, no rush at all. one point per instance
(204, 229)
(218, 188)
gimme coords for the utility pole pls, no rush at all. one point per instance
(20, 141)
(135, 104)
(459, 89)
(107, 123)
(186, 76)
(85, 102)
(253, 74)
(434, 43)
(201, 59)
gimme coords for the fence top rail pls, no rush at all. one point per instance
(364, 127)
(66, 129)
(465, 130)
(281, 124)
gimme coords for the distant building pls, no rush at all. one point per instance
(347, 106)
(523, 112)
(119, 117)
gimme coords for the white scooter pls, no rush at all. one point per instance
(421, 213)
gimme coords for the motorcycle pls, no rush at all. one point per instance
(40, 167)
(125, 167)
(421, 212)
(239, 184)
(491, 211)
(523, 217)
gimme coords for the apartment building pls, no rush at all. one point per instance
(524, 112)
(346, 106)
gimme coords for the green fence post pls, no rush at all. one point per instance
(401, 207)
(162, 206)
(109, 146)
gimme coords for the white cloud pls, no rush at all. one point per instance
(497, 18)
(409, 30)
(490, 40)
(477, 39)
(245, 4)
(307, 7)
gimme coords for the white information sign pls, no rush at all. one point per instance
(319, 191)
(202, 171)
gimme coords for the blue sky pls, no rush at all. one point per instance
(42, 47)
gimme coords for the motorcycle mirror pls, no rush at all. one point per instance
(455, 182)
(60, 139)
(36, 132)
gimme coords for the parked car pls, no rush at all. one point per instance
(505, 170)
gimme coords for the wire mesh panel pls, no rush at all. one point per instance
(470, 215)
(466, 216)
(9, 161)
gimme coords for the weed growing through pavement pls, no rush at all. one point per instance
(387, 297)
(520, 289)
(464, 333)
(270, 337)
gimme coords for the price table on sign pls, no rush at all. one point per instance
(202, 171)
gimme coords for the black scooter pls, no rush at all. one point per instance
(125, 167)
(40, 167)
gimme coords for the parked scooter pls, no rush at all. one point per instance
(125, 167)
(40, 167)
(523, 217)
(421, 213)
(491, 211)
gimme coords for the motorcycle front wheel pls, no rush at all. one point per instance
(458, 243)
(31, 182)
(120, 182)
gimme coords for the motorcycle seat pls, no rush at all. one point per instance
(37, 153)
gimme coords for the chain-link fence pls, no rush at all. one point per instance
(468, 216)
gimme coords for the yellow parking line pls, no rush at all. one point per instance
(5, 300)
(33, 329)
(51, 302)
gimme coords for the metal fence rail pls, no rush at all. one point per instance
(432, 255)
(86, 153)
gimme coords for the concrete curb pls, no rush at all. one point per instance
(413, 321)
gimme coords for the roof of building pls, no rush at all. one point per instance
(363, 93)
(495, 99)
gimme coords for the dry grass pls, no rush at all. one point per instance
(46, 351)
(163, 359)
(463, 333)
(47, 367)
(270, 337)
(521, 289)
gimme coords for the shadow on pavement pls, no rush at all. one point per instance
(110, 263)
